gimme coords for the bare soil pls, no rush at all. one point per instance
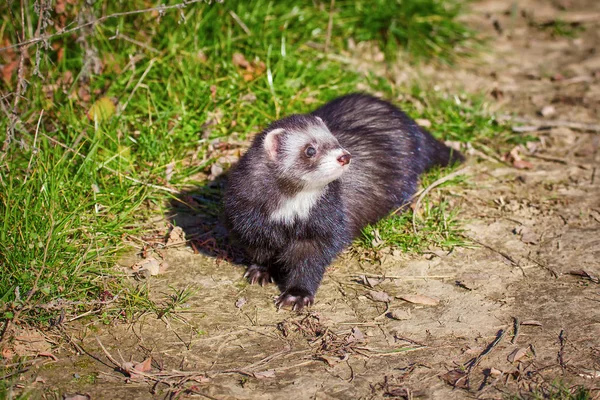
(533, 229)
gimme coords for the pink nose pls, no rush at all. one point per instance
(344, 158)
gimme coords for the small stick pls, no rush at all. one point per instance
(562, 337)
(474, 362)
(538, 124)
(138, 84)
(503, 254)
(329, 26)
(40, 38)
(108, 354)
(240, 22)
(517, 328)
(37, 129)
(431, 187)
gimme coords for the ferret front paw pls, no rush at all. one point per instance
(258, 274)
(296, 299)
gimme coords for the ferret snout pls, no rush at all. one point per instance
(344, 158)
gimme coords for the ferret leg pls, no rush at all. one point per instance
(258, 274)
(299, 281)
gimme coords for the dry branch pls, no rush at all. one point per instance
(42, 38)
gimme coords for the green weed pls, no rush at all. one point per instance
(182, 82)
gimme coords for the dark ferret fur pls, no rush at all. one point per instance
(294, 201)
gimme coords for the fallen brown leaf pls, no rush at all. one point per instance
(270, 373)
(77, 397)
(240, 302)
(144, 366)
(456, 378)
(531, 322)
(419, 299)
(517, 354)
(150, 264)
(400, 315)
(379, 296)
(585, 274)
(176, 236)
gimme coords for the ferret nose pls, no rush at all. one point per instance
(344, 158)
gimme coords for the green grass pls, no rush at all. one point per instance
(73, 190)
(436, 225)
(421, 28)
(557, 391)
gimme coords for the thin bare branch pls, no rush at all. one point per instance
(161, 9)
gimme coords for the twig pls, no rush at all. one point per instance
(538, 124)
(562, 338)
(329, 26)
(472, 364)
(503, 254)
(430, 188)
(119, 35)
(40, 38)
(33, 150)
(549, 158)
(240, 22)
(517, 328)
(138, 84)
(108, 355)
(412, 277)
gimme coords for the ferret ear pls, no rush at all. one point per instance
(271, 142)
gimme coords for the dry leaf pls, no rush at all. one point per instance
(527, 235)
(585, 274)
(379, 296)
(59, 8)
(240, 302)
(531, 322)
(400, 315)
(7, 353)
(547, 111)
(215, 170)
(176, 236)
(332, 360)
(370, 282)
(77, 396)
(495, 372)
(150, 264)
(357, 336)
(8, 70)
(419, 299)
(514, 157)
(270, 373)
(101, 110)
(169, 170)
(425, 123)
(517, 354)
(239, 60)
(522, 164)
(456, 378)
(144, 366)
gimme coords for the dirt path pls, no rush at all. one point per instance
(347, 347)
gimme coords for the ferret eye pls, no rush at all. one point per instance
(310, 151)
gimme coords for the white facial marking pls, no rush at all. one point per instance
(328, 171)
(297, 206)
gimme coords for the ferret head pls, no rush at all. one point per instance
(303, 152)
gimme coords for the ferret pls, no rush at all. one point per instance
(309, 183)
